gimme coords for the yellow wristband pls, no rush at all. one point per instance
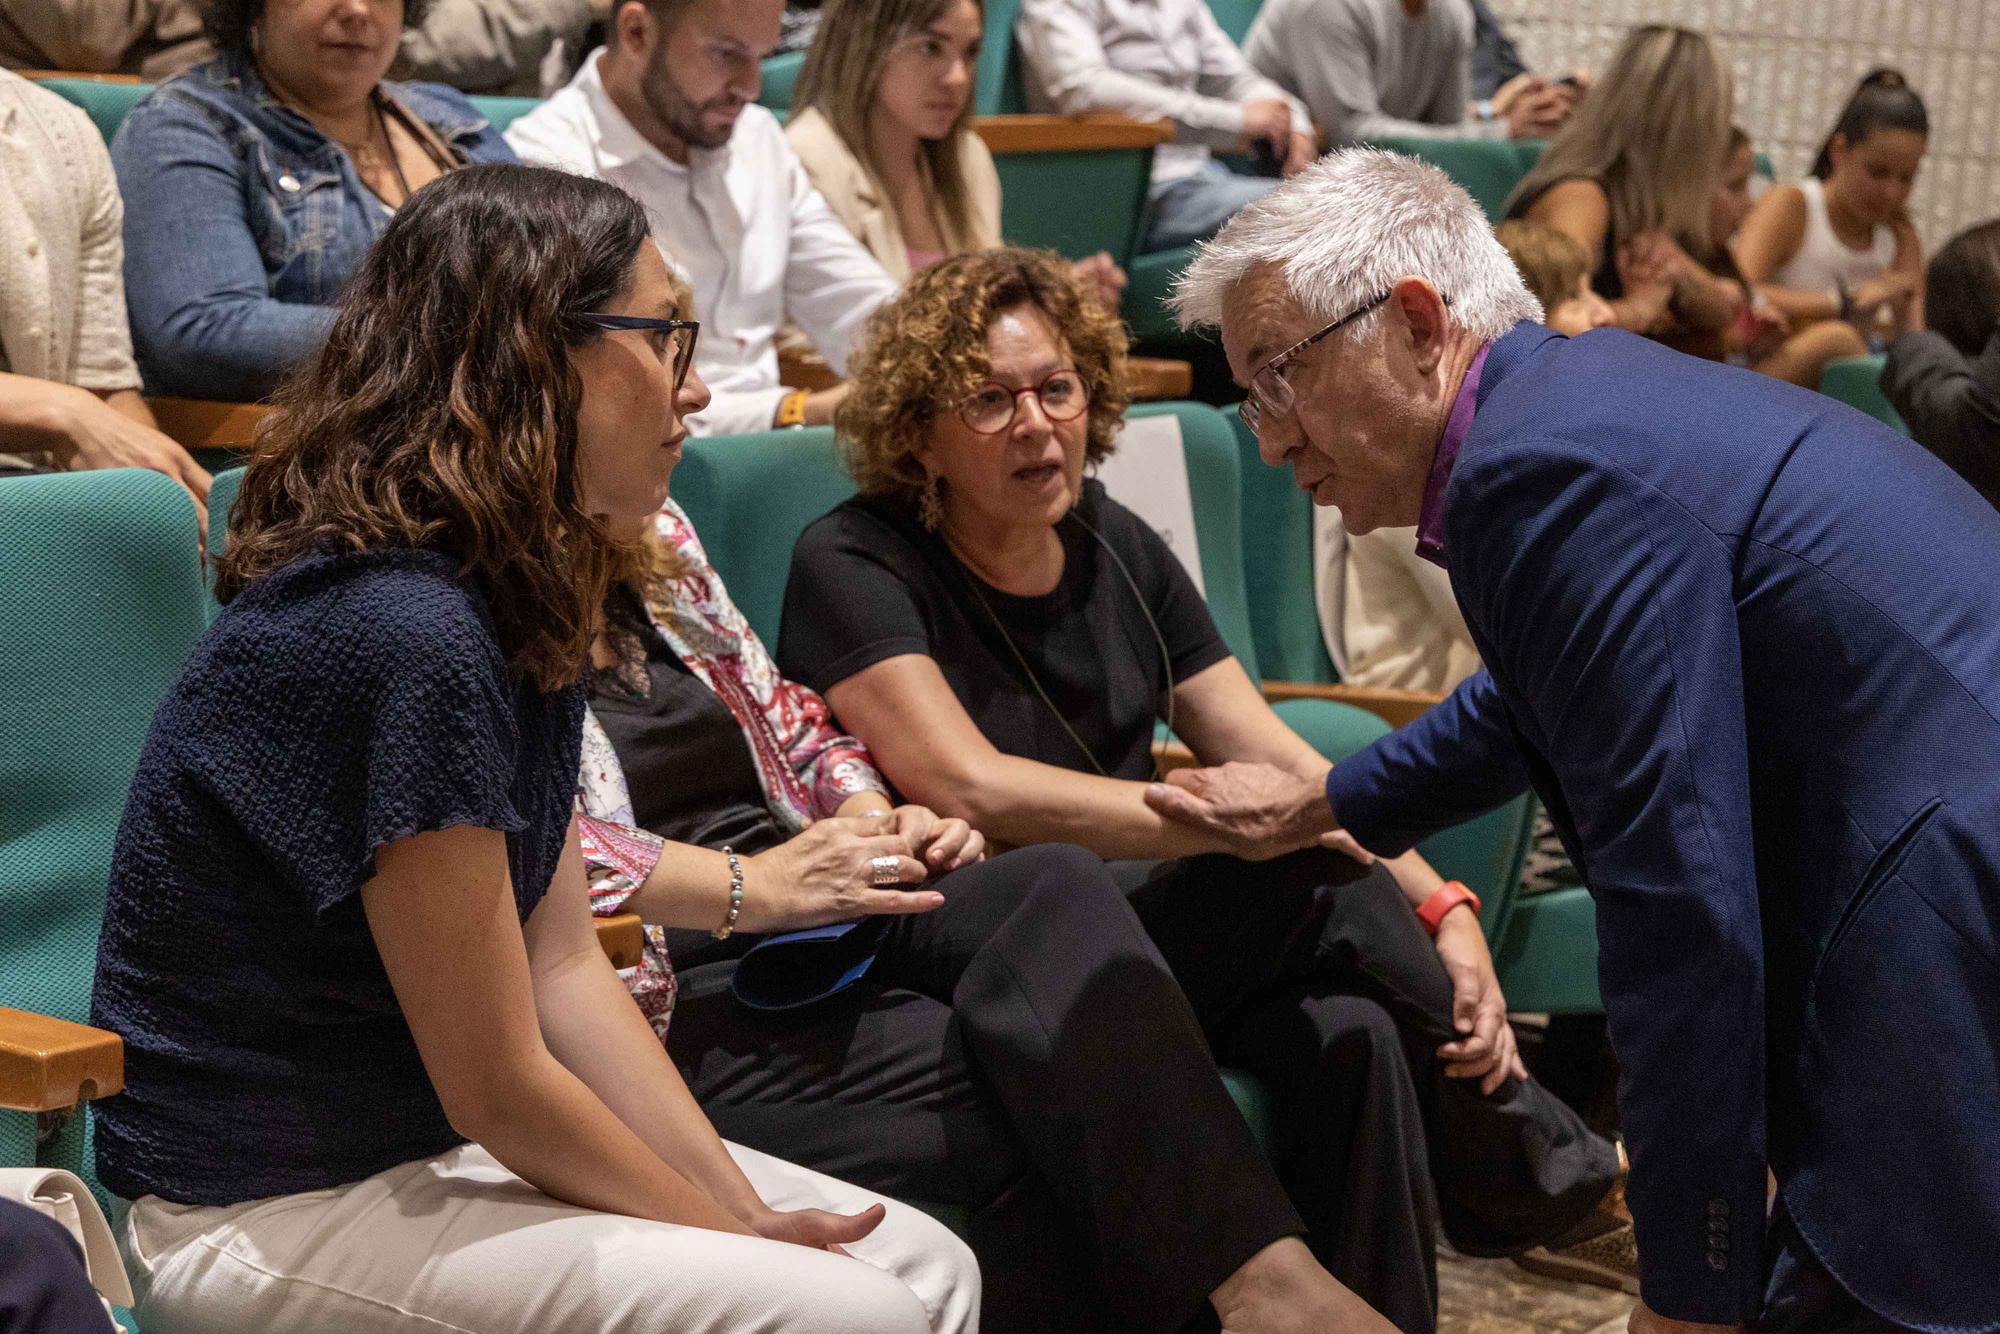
(792, 409)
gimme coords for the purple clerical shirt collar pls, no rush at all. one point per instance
(1430, 521)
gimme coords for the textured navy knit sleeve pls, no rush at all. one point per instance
(355, 711)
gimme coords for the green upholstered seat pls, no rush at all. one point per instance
(1857, 381)
(504, 111)
(1235, 16)
(221, 496)
(1489, 169)
(100, 601)
(1075, 203)
(1149, 278)
(107, 103)
(780, 76)
(997, 88)
(750, 496)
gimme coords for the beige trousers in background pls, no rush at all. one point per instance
(457, 1244)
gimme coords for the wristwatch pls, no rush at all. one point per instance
(1442, 900)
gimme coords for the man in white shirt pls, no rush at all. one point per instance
(1167, 60)
(1373, 69)
(666, 113)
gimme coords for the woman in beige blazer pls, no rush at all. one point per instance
(885, 100)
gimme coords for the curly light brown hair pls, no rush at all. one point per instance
(926, 350)
(441, 411)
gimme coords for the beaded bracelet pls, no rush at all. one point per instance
(735, 896)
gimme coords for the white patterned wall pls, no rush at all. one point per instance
(1795, 61)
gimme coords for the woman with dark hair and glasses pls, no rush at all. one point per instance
(1003, 636)
(254, 184)
(1006, 1042)
(379, 1075)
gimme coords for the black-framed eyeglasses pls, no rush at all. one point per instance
(670, 332)
(1270, 391)
(990, 409)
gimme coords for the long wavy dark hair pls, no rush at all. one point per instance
(441, 410)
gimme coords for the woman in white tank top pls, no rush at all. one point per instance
(1839, 244)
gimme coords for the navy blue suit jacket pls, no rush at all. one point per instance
(1745, 643)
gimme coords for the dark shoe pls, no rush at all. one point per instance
(1609, 1259)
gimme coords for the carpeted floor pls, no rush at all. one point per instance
(1499, 1297)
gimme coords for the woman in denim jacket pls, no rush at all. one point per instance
(254, 183)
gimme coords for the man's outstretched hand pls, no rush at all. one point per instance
(1259, 810)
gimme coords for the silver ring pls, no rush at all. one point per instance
(884, 870)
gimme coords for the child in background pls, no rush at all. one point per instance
(1557, 270)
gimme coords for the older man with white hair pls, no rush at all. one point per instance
(1741, 639)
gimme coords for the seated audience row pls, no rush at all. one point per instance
(1803, 283)
(255, 183)
(1372, 69)
(459, 1060)
(476, 46)
(1168, 60)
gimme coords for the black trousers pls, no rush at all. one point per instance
(1311, 972)
(1024, 1054)
(43, 1286)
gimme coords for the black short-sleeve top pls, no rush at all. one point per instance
(868, 583)
(338, 704)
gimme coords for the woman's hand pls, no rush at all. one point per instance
(827, 874)
(1892, 289)
(1486, 1050)
(816, 1228)
(1258, 811)
(1101, 276)
(93, 434)
(941, 844)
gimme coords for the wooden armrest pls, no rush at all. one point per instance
(197, 423)
(1068, 134)
(803, 368)
(1156, 378)
(47, 1065)
(1171, 755)
(621, 937)
(1392, 706)
(85, 75)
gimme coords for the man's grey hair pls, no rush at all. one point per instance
(1345, 229)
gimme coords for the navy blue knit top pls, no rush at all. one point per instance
(338, 704)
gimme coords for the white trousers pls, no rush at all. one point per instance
(457, 1244)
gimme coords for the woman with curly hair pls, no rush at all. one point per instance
(995, 1036)
(379, 1076)
(254, 184)
(1004, 637)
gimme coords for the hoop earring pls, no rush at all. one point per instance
(930, 508)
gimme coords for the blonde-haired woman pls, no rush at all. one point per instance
(1634, 186)
(884, 100)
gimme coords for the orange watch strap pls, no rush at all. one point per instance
(1442, 900)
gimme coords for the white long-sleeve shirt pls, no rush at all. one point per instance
(741, 223)
(1370, 71)
(1149, 59)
